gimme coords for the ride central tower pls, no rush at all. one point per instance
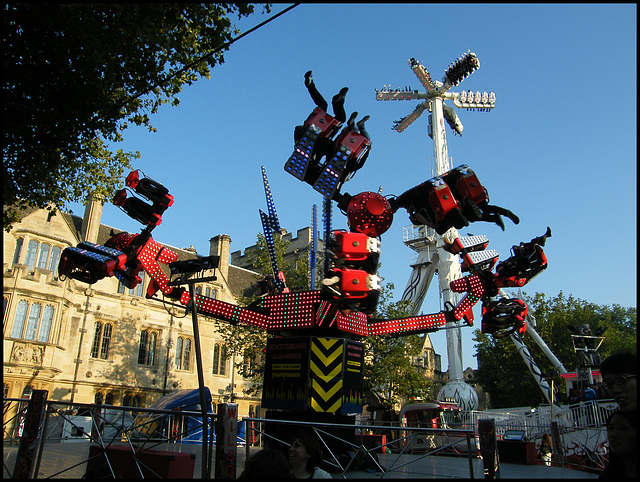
(431, 256)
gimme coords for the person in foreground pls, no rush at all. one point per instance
(619, 376)
(268, 464)
(305, 456)
(623, 446)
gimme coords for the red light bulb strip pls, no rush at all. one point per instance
(292, 310)
(414, 324)
(475, 289)
(231, 313)
(354, 322)
(149, 255)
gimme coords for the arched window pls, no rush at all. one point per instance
(54, 259)
(48, 258)
(44, 256)
(32, 251)
(18, 251)
(101, 340)
(18, 321)
(38, 321)
(216, 358)
(147, 347)
(140, 287)
(249, 363)
(183, 353)
(130, 400)
(219, 359)
(45, 325)
(32, 324)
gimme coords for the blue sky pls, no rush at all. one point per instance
(559, 149)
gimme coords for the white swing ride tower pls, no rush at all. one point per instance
(430, 256)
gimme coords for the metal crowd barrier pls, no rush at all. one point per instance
(54, 439)
(402, 442)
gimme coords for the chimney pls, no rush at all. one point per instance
(221, 246)
(91, 220)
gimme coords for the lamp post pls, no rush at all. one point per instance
(428, 244)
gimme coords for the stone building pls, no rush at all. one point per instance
(104, 342)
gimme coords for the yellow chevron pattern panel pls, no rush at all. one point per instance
(326, 365)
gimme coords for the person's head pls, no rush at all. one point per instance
(305, 450)
(619, 376)
(621, 433)
(268, 464)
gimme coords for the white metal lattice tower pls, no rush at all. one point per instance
(431, 257)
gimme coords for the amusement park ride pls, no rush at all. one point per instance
(432, 245)
(314, 357)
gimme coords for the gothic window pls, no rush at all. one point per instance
(147, 348)
(183, 353)
(140, 287)
(18, 322)
(54, 258)
(138, 290)
(48, 258)
(131, 400)
(44, 255)
(249, 364)
(101, 340)
(38, 255)
(45, 326)
(18, 250)
(38, 321)
(32, 323)
(219, 359)
(32, 251)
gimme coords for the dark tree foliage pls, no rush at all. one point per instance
(388, 370)
(505, 376)
(76, 75)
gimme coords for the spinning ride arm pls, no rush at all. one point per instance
(350, 288)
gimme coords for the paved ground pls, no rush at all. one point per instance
(68, 460)
(440, 467)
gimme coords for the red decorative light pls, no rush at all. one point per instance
(292, 310)
(369, 213)
(475, 289)
(354, 322)
(417, 324)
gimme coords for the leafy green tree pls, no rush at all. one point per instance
(250, 342)
(76, 75)
(388, 370)
(503, 373)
